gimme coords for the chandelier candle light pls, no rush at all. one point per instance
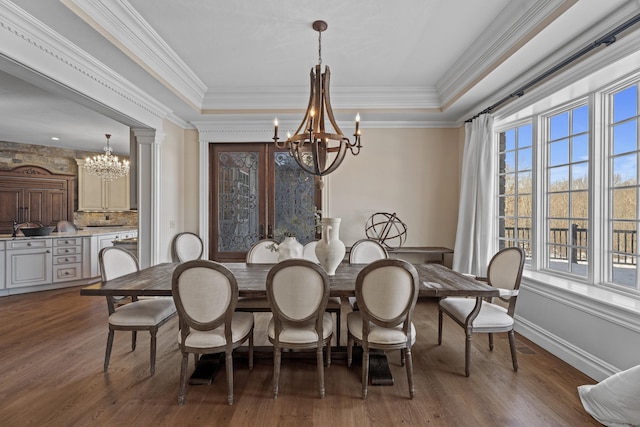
(107, 166)
(317, 149)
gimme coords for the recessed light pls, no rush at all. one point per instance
(55, 138)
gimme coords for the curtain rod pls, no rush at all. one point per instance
(607, 40)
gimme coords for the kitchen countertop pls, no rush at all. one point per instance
(82, 232)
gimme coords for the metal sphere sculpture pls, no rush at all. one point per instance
(387, 229)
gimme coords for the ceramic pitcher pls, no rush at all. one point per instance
(330, 250)
(289, 248)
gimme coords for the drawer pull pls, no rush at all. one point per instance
(28, 243)
(66, 259)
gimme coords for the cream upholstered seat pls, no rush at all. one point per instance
(143, 315)
(205, 294)
(298, 291)
(187, 246)
(505, 273)
(363, 252)
(335, 303)
(260, 253)
(386, 292)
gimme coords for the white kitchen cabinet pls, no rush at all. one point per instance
(28, 263)
(96, 194)
(67, 259)
(2, 279)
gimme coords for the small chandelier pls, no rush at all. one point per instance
(317, 149)
(107, 166)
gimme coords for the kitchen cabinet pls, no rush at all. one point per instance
(67, 259)
(2, 279)
(28, 263)
(33, 194)
(96, 194)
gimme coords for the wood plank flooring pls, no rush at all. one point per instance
(52, 351)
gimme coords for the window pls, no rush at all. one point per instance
(567, 195)
(623, 187)
(569, 186)
(515, 193)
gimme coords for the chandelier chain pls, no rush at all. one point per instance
(320, 47)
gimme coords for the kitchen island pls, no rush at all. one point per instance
(30, 264)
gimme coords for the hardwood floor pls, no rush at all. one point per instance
(52, 351)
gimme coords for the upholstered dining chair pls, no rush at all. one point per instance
(363, 252)
(260, 253)
(66, 227)
(475, 316)
(386, 291)
(142, 315)
(298, 291)
(187, 246)
(205, 294)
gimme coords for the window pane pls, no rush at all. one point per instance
(509, 206)
(625, 170)
(625, 137)
(625, 104)
(510, 139)
(508, 184)
(510, 161)
(559, 126)
(524, 159)
(524, 136)
(558, 258)
(580, 148)
(559, 205)
(524, 183)
(580, 120)
(559, 152)
(624, 203)
(559, 178)
(524, 205)
(579, 206)
(580, 176)
(624, 248)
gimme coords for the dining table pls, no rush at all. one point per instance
(436, 281)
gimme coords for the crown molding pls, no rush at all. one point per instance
(34, 46)
(286, 98)
(121, 24)
(493, 47)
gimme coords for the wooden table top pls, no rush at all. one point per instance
(435, 281)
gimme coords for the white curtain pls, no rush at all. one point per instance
(474, 236)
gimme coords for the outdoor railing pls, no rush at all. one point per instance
(572, 244)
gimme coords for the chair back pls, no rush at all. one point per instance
(66, 227)
(205, 294)
(261, 253)
(298, 292)
(505, 272)
(365, 251)
(115, 262)
(187, 247)
(309, 251)
(386, 292)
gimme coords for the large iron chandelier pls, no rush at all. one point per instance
(319, 149)
(107, 166)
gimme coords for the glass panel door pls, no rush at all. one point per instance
(257, 192)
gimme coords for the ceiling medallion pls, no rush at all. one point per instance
(319, 149)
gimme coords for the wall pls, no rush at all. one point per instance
(412, 172)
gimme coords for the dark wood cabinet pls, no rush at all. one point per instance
(33, 194)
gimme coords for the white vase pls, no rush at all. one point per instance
(289, 248)
(330, 250)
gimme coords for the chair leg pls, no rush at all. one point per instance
(403, 357)
(329, 354)
(365, 371)
(467, 354)
(133, 340)
(512, 344)
(152, 351)
(320, 362)
(277, 354)
(349, 350)
(183, 377)
(107, 354)
(229, 365)
(412, 391)
(440, 319)
(251, 351)
(338, 328)
(491, 341)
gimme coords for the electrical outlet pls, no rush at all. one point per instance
(172, 224)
